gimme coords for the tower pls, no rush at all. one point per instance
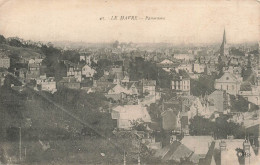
(224, 47)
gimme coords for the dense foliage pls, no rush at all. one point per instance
(204, 85)
(221, 128)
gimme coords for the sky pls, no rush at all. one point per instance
(186, 21)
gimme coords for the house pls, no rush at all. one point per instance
(117, 92)
(22, 73)
(35, 61)
(4, 61)
(74, 70)
(171, 120)
(117, 77)
(85, 58)
(210, 68)
(185, 67)
(149, 87)
(199, 150)
(87, 71)
(46, 83)
(33, 71)
(116, 69)
(167, 65)
(252, 95)
(199, 68)
(133, 88)
(185, 57)
(175, 152)
(125, 79)
(121, 93)
(235, 152)
(127, 113)
(229, 82)
(69, 82)
(181, 84)
(199, 145)
(218, 101)
(34, 68)
(2, 79)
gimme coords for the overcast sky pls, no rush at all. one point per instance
(198, 21)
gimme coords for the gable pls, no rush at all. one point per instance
(166, 61)
(227, 77)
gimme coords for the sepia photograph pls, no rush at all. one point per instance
(129, 82)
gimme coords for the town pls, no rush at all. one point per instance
(127, 103)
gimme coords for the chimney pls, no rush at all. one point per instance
(246, 146)
(222, 145)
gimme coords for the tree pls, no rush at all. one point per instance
(205, 84)
(138, 125)
(200, 126)
(223, 128)
(115, 44)
(2, 39)
(15, 42)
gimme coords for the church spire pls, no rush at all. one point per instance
(223, 47)
(224, 37)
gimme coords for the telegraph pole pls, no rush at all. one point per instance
(20, 144)
(124, 159)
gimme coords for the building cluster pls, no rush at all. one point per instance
(131, 100)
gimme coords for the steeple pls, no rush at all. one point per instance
(223, 47)
(224, 37)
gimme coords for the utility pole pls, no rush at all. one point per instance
(124, 159)
(139, 161)
(20, 144)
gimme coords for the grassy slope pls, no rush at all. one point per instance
(25, 52)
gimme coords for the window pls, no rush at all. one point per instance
(227, 78)
(227, 87)
(233, 87)
(221, 87)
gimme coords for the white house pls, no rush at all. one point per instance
(252, 96)
(88, 71)
(47, 83)
(35, 61)
(128, 113)
(229, 82)
(181, 84)
(149, 87)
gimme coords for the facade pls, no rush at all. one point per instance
(252, 96)
(237, 151)
(86, 58)
(87, 71)
(229, 83)
(46, 83)
(69, 82)
(149, 87)
(185, 67)
(181, 84)
(171, 120)
(75, 71)
(4, 61)
(199, 68)
(217, 100)
(129, 113)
